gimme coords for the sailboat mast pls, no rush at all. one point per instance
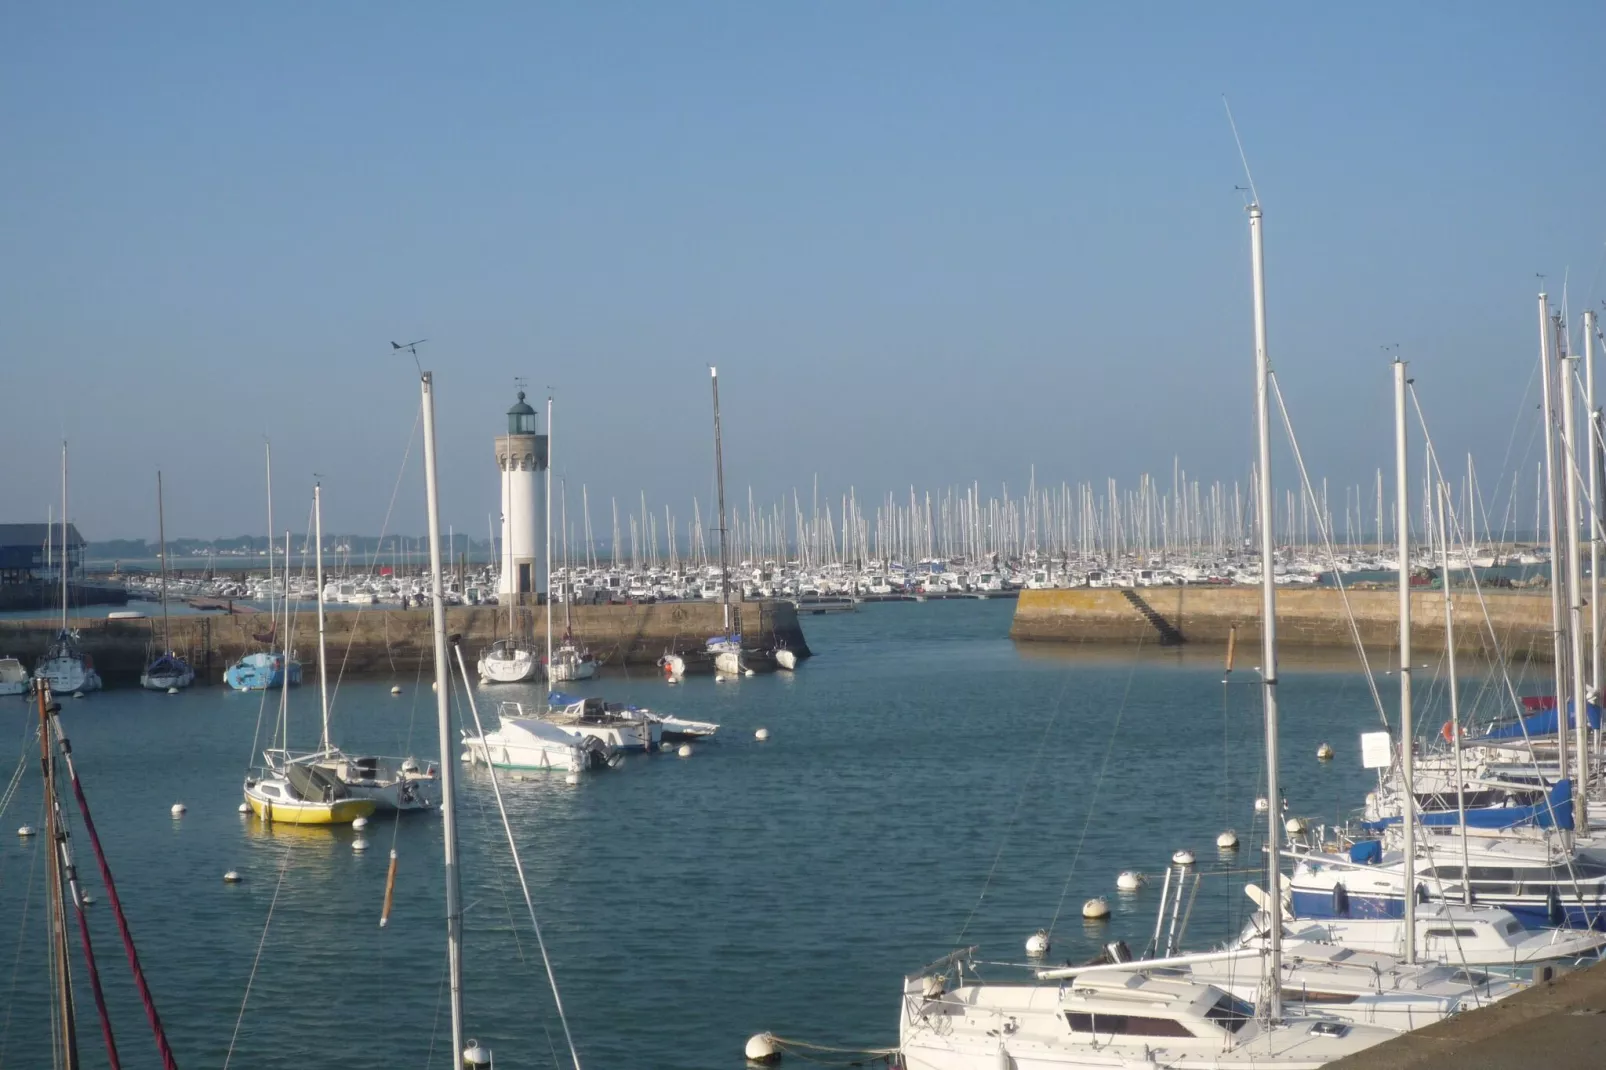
(1594, 503)
(56, 907)
(161, 553)
(719, 481)
(448, 768)
(1402, 532)
(1455, 688)
(1558, 623)
(273, 618)
(323, 658)
(1575, 597)
(1268, 624)
(66, 555)
(547, 513)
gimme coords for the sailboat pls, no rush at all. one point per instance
(264, 670)
(65, 667)
(730, 657)
(169, 671)
(569, 661)
(1143, 1013)
(391, 784)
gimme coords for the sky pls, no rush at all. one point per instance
(925, 243)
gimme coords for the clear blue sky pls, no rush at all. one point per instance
(925, 242)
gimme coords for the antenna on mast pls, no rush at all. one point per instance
(1243, 156)
(411, 347)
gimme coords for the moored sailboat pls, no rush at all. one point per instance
(65, 667)
(168, 671)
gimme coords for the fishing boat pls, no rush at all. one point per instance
(13, 677)
(168, 671)
(65, 667)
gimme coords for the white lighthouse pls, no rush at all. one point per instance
(521, 454)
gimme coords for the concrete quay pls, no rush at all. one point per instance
(1555, 1025)
(1517, 626)
(385, 640)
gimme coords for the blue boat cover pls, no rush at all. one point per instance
(1366, 852)
(558, 698)
(1555, 812)
(1539, 725)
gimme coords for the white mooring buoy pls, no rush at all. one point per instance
(685, 750)
(359, 844)
(245, 808)
(1096, 909)
(762, 734)
(719, 678)
(396, 690)
(1324, 753)
(572, 778)
(77, 694)
(1184, 857)
(1037, 943)
(88, 900)
(1228, 840)
(762, 1048)
(26, 830)
(178, 809)
(476, 1055)
(359, 822)
(231, 877)
(1261, 805)
(172, 691)
(748, 672)
(1129, 881)
(1295, 826)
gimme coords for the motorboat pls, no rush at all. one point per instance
(532, 743)
(13, 677)
(622, 728)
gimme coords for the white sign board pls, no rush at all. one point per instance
(1377, 750)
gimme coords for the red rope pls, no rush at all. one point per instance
(155, 1019)
(94, 984)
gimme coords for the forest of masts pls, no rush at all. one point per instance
(1068, 522)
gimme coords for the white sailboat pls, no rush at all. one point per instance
(1142, 1013)
(65, 667)
(169, 671)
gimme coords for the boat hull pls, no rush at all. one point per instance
(68, 675)
(515, 670)
(302, 812)
(263, 672)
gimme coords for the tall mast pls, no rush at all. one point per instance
(55, 906)
(448, 769)
(1575, 595)
(1594, 513)
(719, 480)
(1402, 533)
(66, 555)
(273, 618)
(1558, 623)
(323, 659)
(1455, 689)
(548, 552)
(1268, 624)
(161, 552)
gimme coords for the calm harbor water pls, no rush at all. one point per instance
(686, 903)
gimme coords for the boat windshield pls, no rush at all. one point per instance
(1230, 1012)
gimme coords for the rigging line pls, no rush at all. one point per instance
(1042, 745)
(518, 866)
(1242, 156)
(384, 527)
(262, 941)
(1109, 749)
(155, 1020)
(1327, 542)
(16, 962)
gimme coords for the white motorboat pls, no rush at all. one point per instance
(622, 728)
(508, 661)
(1477, 936)
(13, 677)
(531, 743)
(1114, 1016)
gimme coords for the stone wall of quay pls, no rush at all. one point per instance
(385, 640)
(1518, 624)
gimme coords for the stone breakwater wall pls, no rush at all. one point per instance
(1313, 617)
(385, 640)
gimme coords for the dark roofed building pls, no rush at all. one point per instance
(22, 550)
